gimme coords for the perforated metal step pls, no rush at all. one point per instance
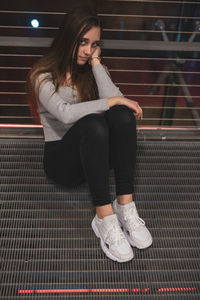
(48, 249)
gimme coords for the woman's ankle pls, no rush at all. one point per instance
(104, 211)
(124, 199)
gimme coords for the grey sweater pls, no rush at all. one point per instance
(59, 111)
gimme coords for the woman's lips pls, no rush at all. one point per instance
(84, 58)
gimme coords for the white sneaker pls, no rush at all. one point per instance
(133, 226)
(113, 240)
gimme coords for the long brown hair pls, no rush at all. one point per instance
(62, 58)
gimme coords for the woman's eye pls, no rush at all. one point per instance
(97, 44)
(82, 42)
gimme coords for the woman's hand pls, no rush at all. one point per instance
(94, 60)
(138, 113)
(97, 52)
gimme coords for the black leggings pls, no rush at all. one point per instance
(93, 145)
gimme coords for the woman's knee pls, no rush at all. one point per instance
(121, 115)
(95, 126)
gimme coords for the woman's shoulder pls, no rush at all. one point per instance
(43, 80)
(44, 76)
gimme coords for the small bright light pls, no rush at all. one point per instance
(35, 23)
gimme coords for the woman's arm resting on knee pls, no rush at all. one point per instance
(127, 102)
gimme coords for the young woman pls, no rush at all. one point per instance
(89, 127)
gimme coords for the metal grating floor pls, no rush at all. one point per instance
(48, 249)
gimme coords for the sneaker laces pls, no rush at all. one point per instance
(132, 218)
(115, 235)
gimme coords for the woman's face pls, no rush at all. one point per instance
(88, 44)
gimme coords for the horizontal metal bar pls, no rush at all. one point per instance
(12, 81)
(176, 107)
(111, 70)
(31, 12)
(151, 71)
(157, 1)
(168, 119)
(19, 55)
(148, 58)
(150, 45)
(163, 127)
(143, 31)
(144, 119)
(20, 126)
(139, 127)
(125, 83)
(101, 15)
(157, 84)
(160, 95)
(113, 57)
(28, 27)
(15, 117)
(13, 41)
(104, 29)
(133, 95)
(14, 105)
(143, 107)
(147, 16)
(13, 93)
(15, 68)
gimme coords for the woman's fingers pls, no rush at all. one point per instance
(138, 117)
(138, 113)
(137, 110)
(97, 52)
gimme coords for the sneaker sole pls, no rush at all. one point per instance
(104, 248)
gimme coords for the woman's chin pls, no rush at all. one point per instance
(81, 62)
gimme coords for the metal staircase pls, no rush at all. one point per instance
(49, 251)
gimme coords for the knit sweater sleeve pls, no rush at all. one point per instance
(105, 85)
(63, 110)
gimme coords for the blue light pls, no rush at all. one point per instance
(35, 23)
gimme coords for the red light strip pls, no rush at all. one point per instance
(121, 290)
(138, 127)
(19, 126)
(56, 291)
(164, 128)
(176, 289)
